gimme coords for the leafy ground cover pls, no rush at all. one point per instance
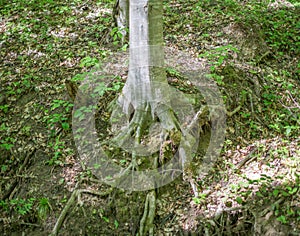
(251, 50)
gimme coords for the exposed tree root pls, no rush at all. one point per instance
(135, 129)
(250, 157)
(76, 194)
(133, 134)
(13, 186)
(168, 126)
(151, 129)
(146, 223)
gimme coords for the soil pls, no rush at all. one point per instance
(43, 162)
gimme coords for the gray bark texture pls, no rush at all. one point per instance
(121, 16)
(146, 83)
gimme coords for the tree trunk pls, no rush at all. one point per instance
(144, 96)
(121, 16)
(146, 89)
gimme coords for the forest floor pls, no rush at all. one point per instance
(251, 51)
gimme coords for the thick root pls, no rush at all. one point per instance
(146, 223)
(140, 140)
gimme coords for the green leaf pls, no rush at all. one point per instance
(275, 192)
(196, 200)
(116, 223)
(285, 194)
(65, 126)
(293, 190)
(282, 219)
(239, 200)
(288, 130)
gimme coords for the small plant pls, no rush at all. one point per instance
(4, 108)
(21, 206)
(218, 57)
(99, 90)
(61, 103)
(200, 199)
(219, 54)
(63, 10)
(116, 223)
(26, 130)
(269, 98)
(7, 143)
(88, 62)
(4, 168)
(117, 35)
(44, 208)
(82, 111)
(58, 118)
(282, 219)
(78, 77)
(173, 72)
(239, 200)
(57, 147)
(3, 127)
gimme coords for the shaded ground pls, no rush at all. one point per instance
(252, 52)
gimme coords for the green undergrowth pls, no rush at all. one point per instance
(44, 43)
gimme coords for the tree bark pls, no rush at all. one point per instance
(121, 16)
(144, 93)
(146, 88)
